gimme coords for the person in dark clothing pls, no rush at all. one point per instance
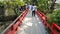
(33, 10)
(33, 13)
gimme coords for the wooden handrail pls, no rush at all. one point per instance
(47, 25)
(9, 27)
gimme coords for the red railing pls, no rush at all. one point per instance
(12, 28)
(52, 27)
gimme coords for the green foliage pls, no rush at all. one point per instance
(27, 1)
(54, 17)
(43, 5)
(12, 5)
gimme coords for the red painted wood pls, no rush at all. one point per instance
(19, 22)
(43, 19)
(12, 32)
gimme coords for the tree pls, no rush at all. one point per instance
(43, 5)
(12, 4)
(52, 5)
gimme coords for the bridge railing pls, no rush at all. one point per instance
(53, 28)
(12, 28)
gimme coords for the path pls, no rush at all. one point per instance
(31, 25)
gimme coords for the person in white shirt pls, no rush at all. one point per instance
(26, 6)
(34, 9)
(30, 7)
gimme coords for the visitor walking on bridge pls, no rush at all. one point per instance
(30, 7)
(26, 6)
(34, 10)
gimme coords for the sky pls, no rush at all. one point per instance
(57, 1)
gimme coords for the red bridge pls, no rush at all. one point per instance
(26, 24)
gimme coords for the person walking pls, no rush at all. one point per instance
(34, 10)
(30, 7)
(26, 6)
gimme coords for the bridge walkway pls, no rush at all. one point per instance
(31, 25)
